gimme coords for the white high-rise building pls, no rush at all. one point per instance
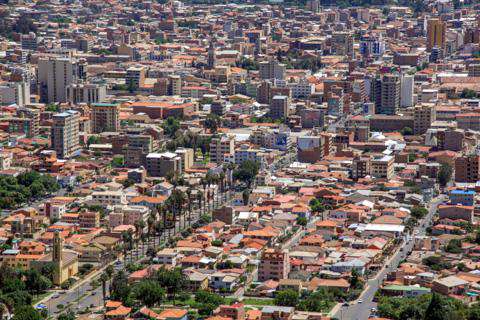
(65, 133)
(54, 76)
(86, 93)
(15, 93)
(406, 91)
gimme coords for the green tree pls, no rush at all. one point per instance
(67, 316)
(288, 298)
(245, 196)
(468, 94)
(302, 221)
(212, 122)
(149, 292)
(407, 131)
(173, 280)
(36, 282)
(355, 282)
(128, 183)
(208, 301)
(418, 212)
(47, 270)
(92, 140)
(438, 309)
(26, 312)
(474, 312)
(247, 172)
(454, 246)
(120, 289)
(445, 174)
(117, 162)
(319, 301)
(316, 205)
(171, 126)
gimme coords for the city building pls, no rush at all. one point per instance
(135, 77)
(15, 93)
(467, 168)
(463, 197)
(406, 91)
(382, 167)
(274, 265)
(436, 31)
(279, 107)
(65, 134)
(423, 116)
(86, 93)
(389, 95)
(272, 69)
(222, 148)
(163, 164)
(54, 76)
(360, 167)
(105, 117)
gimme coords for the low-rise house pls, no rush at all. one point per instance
(451, 285)
(224, 281)
(277, 313)
(407, 291)
(197, 281)
(167, 256)
(235, 311)
(290, 284)
(348, 266)
(318, 283)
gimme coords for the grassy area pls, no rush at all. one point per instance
(258, 302)
(36, 299)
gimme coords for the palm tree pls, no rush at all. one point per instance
(222, 183)
(126, 238)
(199, 200)
(104, 278)
(139, 226)
(189, 202)
(152, 217)
(204, 184)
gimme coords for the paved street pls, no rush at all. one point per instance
(83, 296)
(361, 311)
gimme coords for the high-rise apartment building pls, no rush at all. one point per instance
(65, 133)
(342, 44)
(135, 77)
(138, 147)
(406, 90)
(467, 168)
(163, 164)
(54, 76)
(86, 93)
(15, 93)
(423, 116)
(390, 95)
(279, 107)
(436, 30)
(382, 167)
(272, 69)
(105, 117)
(222, 148)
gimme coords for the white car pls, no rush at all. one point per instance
(360, 301)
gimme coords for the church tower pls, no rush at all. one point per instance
(57, 258)
(211, 62)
